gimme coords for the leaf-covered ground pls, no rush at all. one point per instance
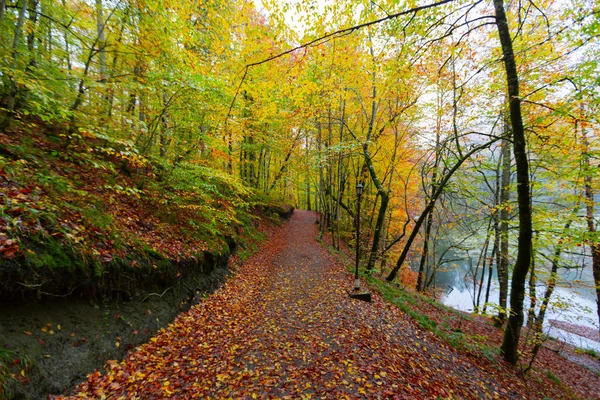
(284, 327)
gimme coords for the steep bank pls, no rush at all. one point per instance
(100, 247)
(62, 340)
(92, 217)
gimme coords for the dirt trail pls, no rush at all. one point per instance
(284, 327)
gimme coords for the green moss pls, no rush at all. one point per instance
(53, 255)
(96, 217)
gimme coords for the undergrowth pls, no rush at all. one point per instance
(91, 210)
(408, 303)
(12, 368)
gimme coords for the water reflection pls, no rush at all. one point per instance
(573, 300)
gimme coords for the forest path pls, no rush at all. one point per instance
(284, 327)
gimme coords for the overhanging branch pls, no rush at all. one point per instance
(326, 37)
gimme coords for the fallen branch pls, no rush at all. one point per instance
(156, 294)
(39, 292)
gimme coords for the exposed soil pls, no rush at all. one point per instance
(66, 339)
(284, 327)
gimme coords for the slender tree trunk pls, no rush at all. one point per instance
(229, 152)
(33, 17)
(483, 264)
(589, 216)
(2, 9)
(504, 215)
(512, 334)
(283, 167)
(532, 295)
(380, 189)
(330, 162)
(321, 192)
(539, 319)
(340, 174)
(496, 215)
(429, 207)
(101, 42)
(434, 177)
(425, 254)
(164, 124)
(12, 84)
(308, 202)
(490, 273)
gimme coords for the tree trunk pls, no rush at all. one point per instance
(2, 8)
(308, 202)
(322, 202)
(539, 319)
(589, 216)
(12, 84)
(512, 334)
(483, 263)
(490, 273)
(101, 42)
(33, 17)
(532, 295)
(429, 207)
(340, 172)
(423, 262)
(503, 230)
(164, 128)
(377, 182)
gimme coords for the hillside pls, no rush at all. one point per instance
(101, 247)
(91, 216)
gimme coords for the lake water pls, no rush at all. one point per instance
(573, 300)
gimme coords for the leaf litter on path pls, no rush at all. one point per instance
(284, 327)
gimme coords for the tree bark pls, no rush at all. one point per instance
(2, 8)
(13, 88)
(589, 216)
(101, 42)
(424, 254)
(512, 333)
(504, 215)
(33, 18)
